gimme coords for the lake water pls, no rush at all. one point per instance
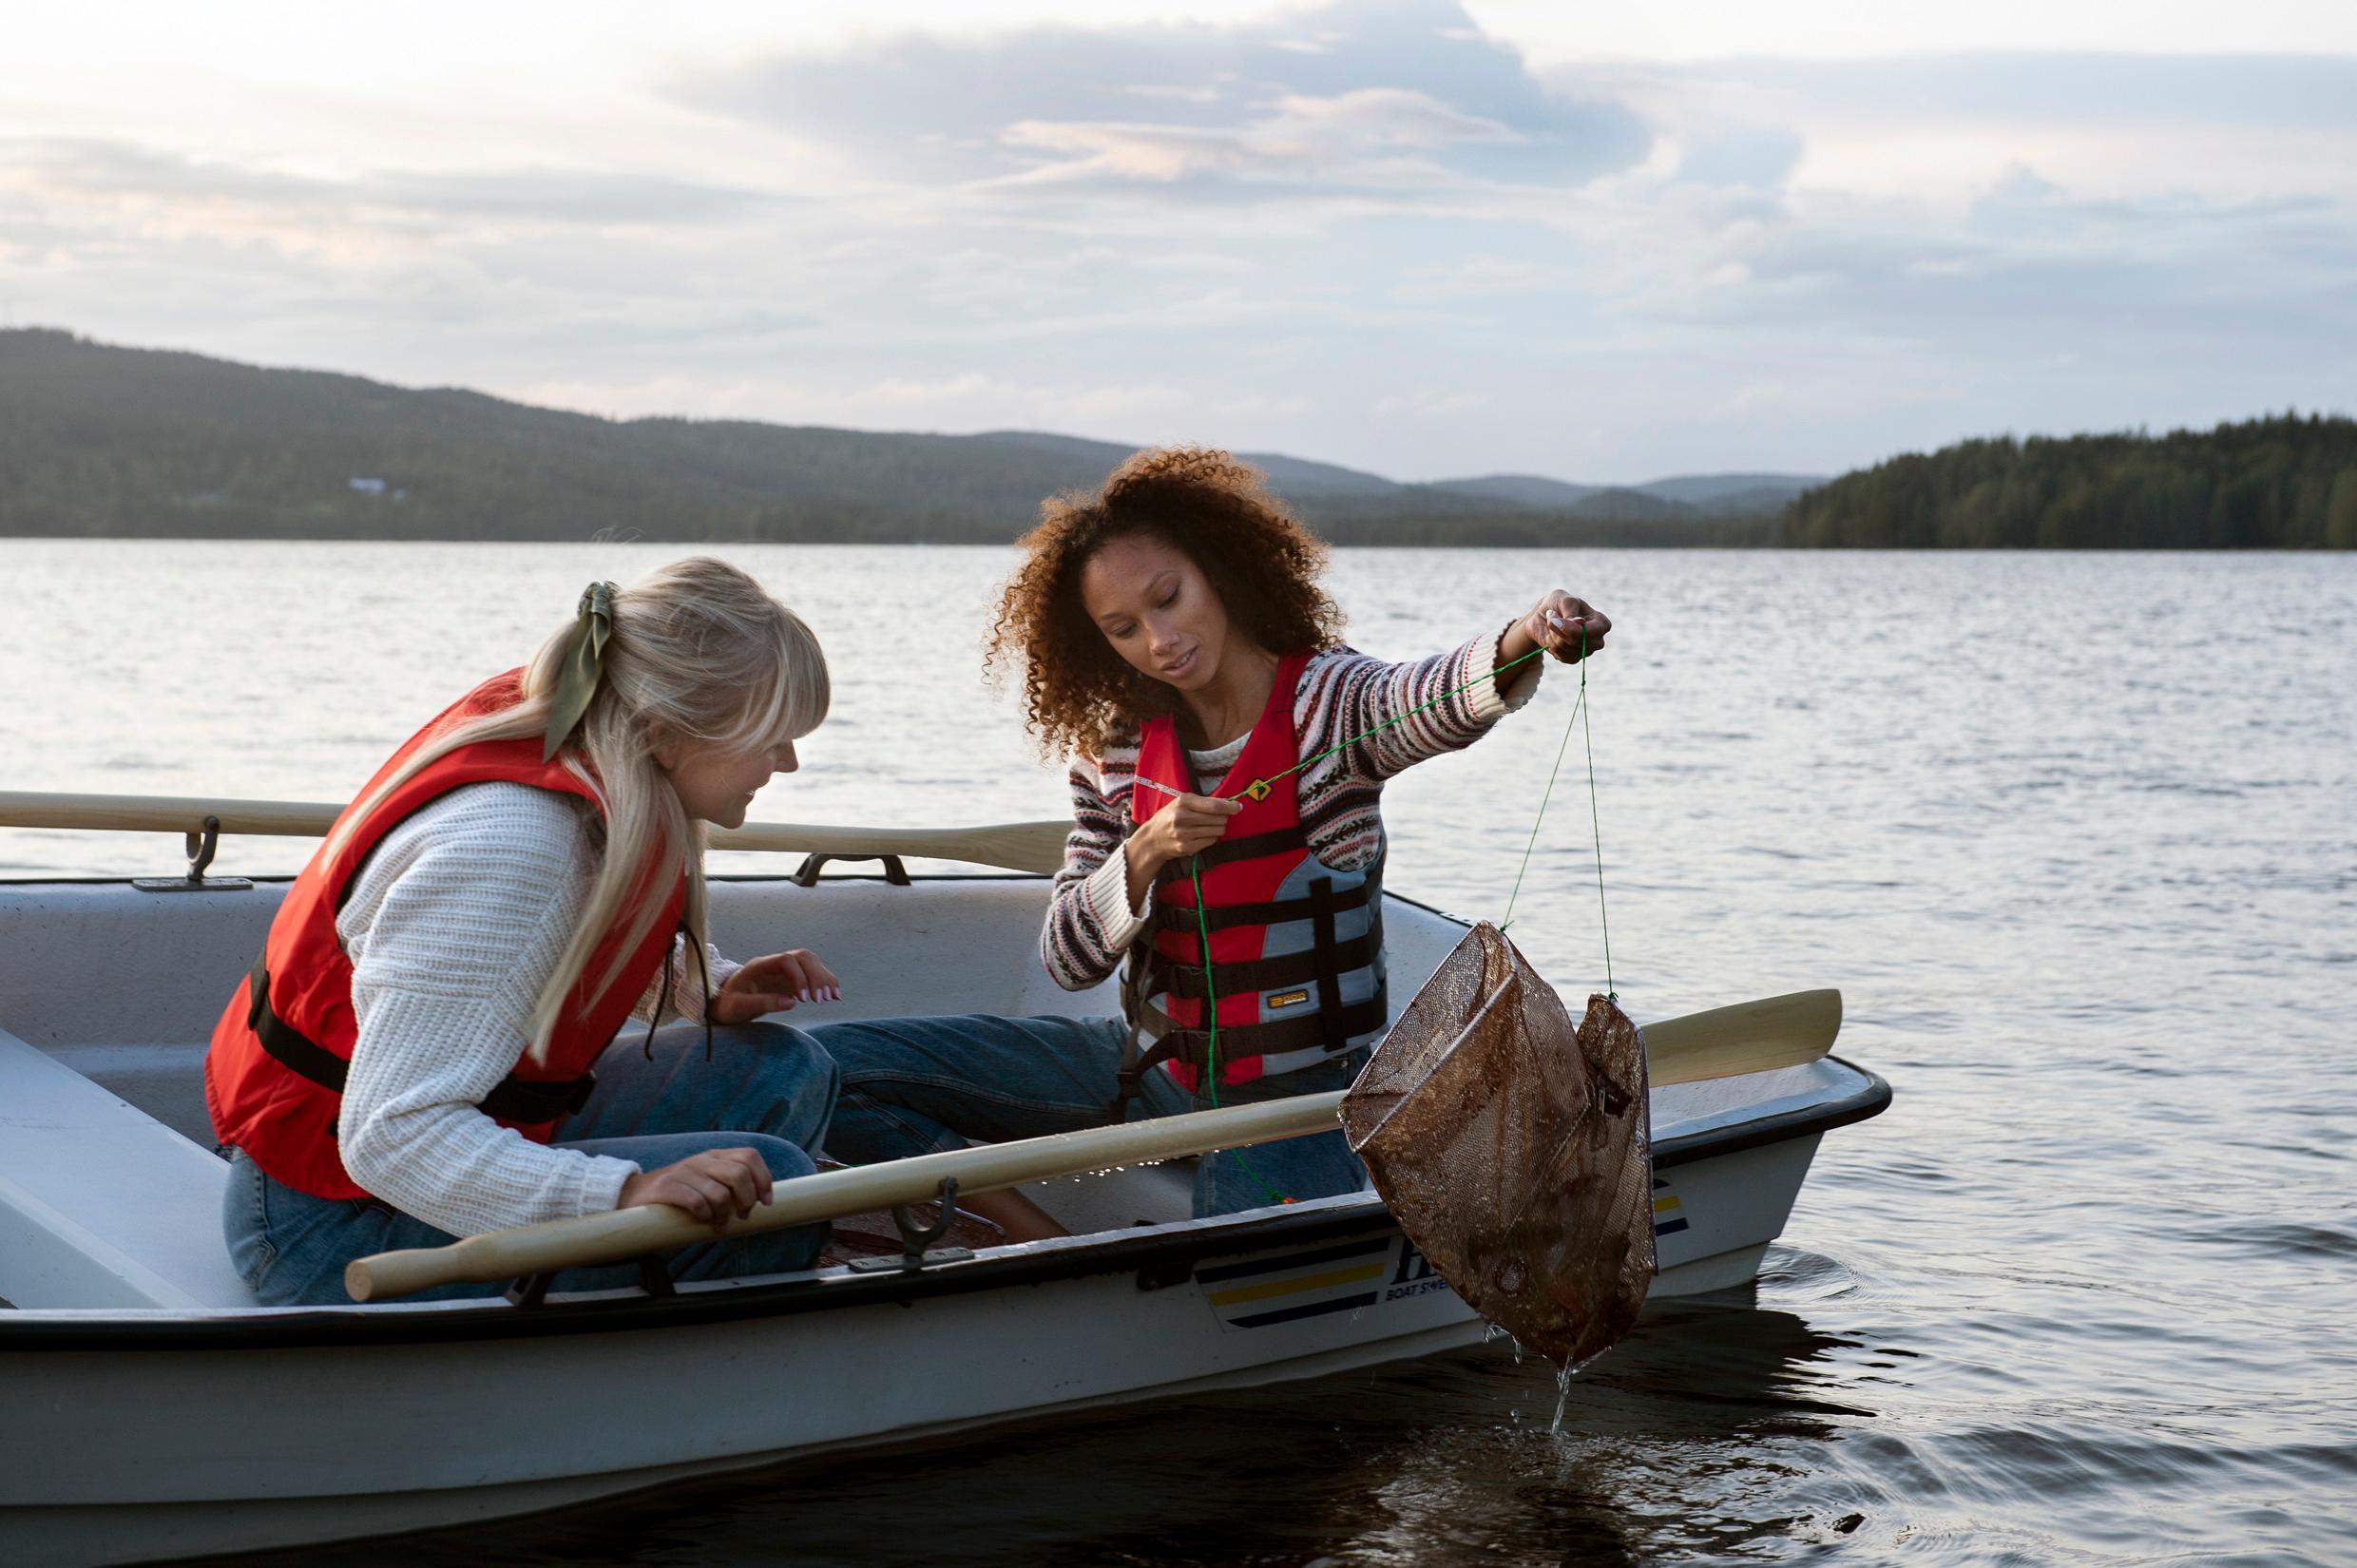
(2076, 835)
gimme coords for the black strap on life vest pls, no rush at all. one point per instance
(1227, 850)
(1193, 1047)
(1219, 917)
(526, 1102)
(1151, 973)
(1325, 963)
(1323, 950)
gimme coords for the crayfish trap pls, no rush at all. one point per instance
(1514, 1149)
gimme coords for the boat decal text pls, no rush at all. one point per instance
(1310, 1283)
(1415, 1275)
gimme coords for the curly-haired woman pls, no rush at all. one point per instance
(1228, 762)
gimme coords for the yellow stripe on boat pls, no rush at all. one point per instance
(1303, 1282)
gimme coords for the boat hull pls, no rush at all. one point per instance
(149, 1410)
(360, 1423)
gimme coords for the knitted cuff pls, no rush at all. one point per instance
(1107, 892)
(1486, 701)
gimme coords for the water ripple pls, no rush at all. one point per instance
(2083, 1297)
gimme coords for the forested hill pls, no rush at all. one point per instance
(103, 440)
(2268, 484)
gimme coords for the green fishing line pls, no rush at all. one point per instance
(1260, 785)
(1578, 715)
(1532, 842)
(1594, 827)
(1210, 1004)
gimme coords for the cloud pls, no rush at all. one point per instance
(1368, 232)
(1481, 275)
(1367, 139)
(1433, 403)
(2276, 92)
(1162, 154)
(2033, 269)
(1367, 118)
(1758, 158)
(92, 168)
(1399, 74)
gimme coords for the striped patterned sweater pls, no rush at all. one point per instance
(1342, 694)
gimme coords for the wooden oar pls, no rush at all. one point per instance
(1016, 845)
(1750, 1036)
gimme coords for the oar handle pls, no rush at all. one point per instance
(1016, 845)
(624, 1234)
(1750, 1036)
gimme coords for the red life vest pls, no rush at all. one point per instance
(1296, 947)
(274, 1076)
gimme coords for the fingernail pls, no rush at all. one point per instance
(835, 992)
(1553, 619)
(804, 995)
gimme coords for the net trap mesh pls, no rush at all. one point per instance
(1515, 1149)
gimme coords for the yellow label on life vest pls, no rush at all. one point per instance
(1256, 790)
(1286, 998)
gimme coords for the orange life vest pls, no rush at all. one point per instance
(274, 1076)
(1295, 946)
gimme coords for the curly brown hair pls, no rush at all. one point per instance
(1078, 695)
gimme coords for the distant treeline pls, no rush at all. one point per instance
(2284, 483)
(107, 442)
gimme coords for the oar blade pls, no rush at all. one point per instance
(1748, 1037)
(1513, 1148)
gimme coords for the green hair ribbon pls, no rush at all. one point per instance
(585, 661)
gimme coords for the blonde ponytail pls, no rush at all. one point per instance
(698, 652)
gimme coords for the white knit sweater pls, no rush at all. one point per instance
(455, 920)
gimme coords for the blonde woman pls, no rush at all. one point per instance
(410, 1059)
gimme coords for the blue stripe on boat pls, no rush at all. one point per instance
(1315, 1309)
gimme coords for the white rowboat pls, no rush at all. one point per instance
(148, 1409)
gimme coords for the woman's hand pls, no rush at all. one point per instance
(711, 1185)
(1568, 628)
(774, 984)
(1190, 823)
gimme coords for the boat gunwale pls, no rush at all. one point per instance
(267, 879)
(1155, 1256)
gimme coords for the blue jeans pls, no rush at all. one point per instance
(915, 1086)
(767, 1087)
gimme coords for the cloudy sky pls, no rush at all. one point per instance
(1430, 237)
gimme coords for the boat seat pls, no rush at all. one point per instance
(102, 1205)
